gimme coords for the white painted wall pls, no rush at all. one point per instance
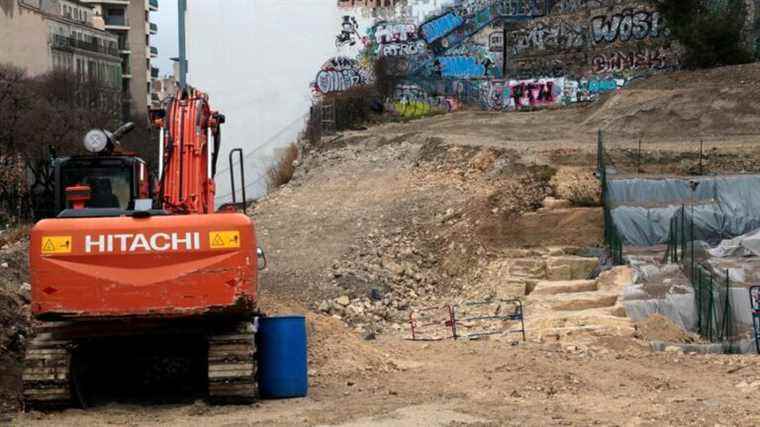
(255, 59)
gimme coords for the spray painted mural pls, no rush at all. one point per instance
(339, 74)
(500, 54)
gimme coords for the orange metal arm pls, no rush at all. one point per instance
(186, 187)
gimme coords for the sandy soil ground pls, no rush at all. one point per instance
(615, 382)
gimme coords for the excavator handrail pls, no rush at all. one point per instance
(242, 176)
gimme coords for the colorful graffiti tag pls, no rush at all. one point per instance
(412, 101)
(556, 36)
(502, 95)
(469, 27)
(510, 95)
(619, 61)
(339, 74)
(460, 67)
(349, 32)
(439, 27)
(397, 39)
(496, 41)
(625, 26)
(521, 8)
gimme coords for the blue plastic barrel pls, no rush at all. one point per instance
(283, 370)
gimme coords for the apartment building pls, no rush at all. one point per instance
(42, 35)
(129, 21)
(166, 86)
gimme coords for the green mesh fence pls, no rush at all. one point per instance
(715, 321)
(612, 239)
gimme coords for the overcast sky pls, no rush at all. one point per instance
(256, 59)
(166, 39)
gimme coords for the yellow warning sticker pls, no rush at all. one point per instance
(224, 239)
(56, 244)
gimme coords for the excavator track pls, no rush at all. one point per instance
(50, 372)
(232, 367)
(47, 370)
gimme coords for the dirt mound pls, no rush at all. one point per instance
(659, 328)
(685, 104)
(563, 227)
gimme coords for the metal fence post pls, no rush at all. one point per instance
(701, 164)
(728, 329)
(684, 240)
(698, 291)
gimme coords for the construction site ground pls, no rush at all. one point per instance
(454, 208)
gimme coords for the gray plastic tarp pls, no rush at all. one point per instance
(722, 207)
(742, 246)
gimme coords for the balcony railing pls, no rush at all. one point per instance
(153, 28)
(154, 72)
(117, 21)
(153, 51)
(63, 42)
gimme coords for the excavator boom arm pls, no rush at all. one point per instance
(187, 185)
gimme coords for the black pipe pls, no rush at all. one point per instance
(217, 136)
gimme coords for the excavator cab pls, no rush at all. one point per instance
(115, 182)
(106, 182)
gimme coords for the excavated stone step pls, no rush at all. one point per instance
(590, 315)
(570, 267)
(571, 332)
(594, 322)
(528, 267)
(546, 287)
(581, 301)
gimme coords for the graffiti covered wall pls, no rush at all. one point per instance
(592, 37)
(499, 54)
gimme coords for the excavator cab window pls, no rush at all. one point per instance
(111, 181)
(101, 192)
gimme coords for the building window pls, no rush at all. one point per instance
(92, 70)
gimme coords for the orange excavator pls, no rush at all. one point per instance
(133, 267)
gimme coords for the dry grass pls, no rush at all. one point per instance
(282, 172)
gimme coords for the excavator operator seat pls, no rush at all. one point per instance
(102, 194)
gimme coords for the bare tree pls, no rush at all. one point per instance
(42, 117)
(15, 102)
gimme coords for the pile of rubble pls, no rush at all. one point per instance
(380, 280)
(15, 320)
